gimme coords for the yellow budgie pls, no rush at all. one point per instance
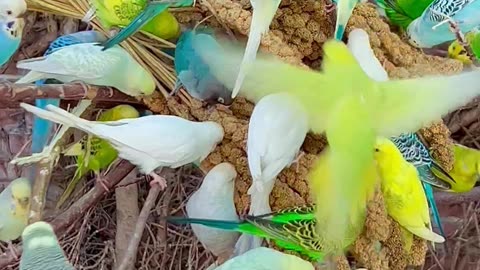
(95, 154)
(466, 169)
(350, 107)
(403, 192)
(14, 206)
(121, 13)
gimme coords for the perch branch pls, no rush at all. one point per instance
(79, 208)
(447, 198)
(11, 94)
(131, 252)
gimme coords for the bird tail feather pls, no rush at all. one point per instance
(218, 224)
(30, 77)
(427, 234)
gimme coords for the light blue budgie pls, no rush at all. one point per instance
(151, 11)
(43, 128)
(428, 30)
(10, 9)
(344, 11)
(41, 249)
(10, 37)
(195, 75)
(263, 13)
(415, 152)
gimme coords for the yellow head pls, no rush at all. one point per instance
(21, 191)
(458, 52)
(140, 80)
(386, 152)
(123, 111)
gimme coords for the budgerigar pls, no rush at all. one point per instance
(263, 13)
(120, 13)
(93, 153)
(403, 12)
(276, 131)
(14, 206)
(344, 11)
(195, 75)
(457, 51)
(88, 63)
(41, 249)
(263, 258)
(403, 193)
(291, 229)
(41, 128)
(214, 200)
(11, 32)
(466, 169)
(416, 153)
(148, 142)
(429, 29)
(152, 9)
(10, 9)
(349, 107)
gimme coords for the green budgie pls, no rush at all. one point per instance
(263, 258)
(291, 229)
(88, 63)
(41, 249)
(457, 51)
(403, 12)
(349, 107)
(93, 153)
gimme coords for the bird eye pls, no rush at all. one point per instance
(9, 12)
(377, 150)
(221, 100)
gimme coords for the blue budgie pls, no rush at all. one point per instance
(10, 37)
(195, 75)
(415, 152)
(43, 128)
(432, 28)
(151, 11)
(10, 9)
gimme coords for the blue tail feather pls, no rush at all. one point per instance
(431, 202)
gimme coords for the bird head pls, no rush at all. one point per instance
(385, 150)
(457, 51)
(226, 170)
(140, 81)
(21, 190)
(13, 28)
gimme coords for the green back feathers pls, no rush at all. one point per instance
(403, 12)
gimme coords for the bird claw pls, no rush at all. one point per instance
(157, 179)
(329, 8)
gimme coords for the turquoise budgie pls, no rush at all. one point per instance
(88, 63)
(41, 249)
(429, 29)
(152, 9)
(10, 37)
(263, 258)
(195, 75)
(10, 9)
(276, 131)
(148, 142)
(41, 128)
(263, 13)
(416, 153)
(357, 107)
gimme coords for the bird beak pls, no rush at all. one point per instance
(24, 202)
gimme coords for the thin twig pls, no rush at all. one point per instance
(448, 198)
(131, 252)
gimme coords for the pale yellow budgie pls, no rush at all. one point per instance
(263, 13)
(403, 192)
(350, 107)
(14, 206)
(263, 258)
(466, 169)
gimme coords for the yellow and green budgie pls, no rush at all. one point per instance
(403, 193)
(95, 154)
(121, 13)
(351, 108)
(457, 50)
(14, 207)
(466, 169)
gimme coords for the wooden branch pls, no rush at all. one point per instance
(12, 94)
(78, 209)
(449, 198)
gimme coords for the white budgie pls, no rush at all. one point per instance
(10, 9)
(87, 62)
(263, 13)
(14, 206)
(276, 132)
(41, 249)
(214, 200)
(266, 259)
(148, 142)
(359, 46)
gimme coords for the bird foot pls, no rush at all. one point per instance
(157, 179)
(329, 8)
(296, 161)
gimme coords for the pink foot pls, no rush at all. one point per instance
(329, 8)
(157, 179)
